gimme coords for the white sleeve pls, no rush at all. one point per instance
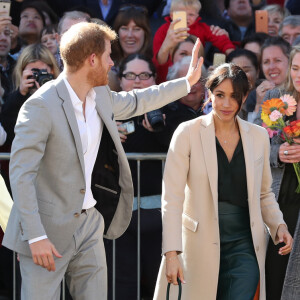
(3, 135)
(43, 237)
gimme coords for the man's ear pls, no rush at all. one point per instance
(92, 59)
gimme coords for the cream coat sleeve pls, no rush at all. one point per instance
(5, 204)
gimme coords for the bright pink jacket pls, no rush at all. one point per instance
(199, 29)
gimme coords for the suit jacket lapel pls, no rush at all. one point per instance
(207, 133)
(247, 141)
(70, 115)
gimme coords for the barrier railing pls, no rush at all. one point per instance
(138, 157)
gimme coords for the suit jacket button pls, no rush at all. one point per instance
(82, 191)
(76, 215)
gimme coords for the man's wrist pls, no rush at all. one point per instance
(31, 241)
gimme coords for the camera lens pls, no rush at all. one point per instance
(156, 120)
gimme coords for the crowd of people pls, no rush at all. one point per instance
(151, 50)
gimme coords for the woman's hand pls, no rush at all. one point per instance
(284, 237)
(261, 92)
(290, 153)
(121, 131)
(146, 124)
(27, 83)
(173, 268)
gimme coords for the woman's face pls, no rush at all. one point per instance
(31, 22)
(136, 66)
(274, 21)
(295, 72)
(184, 49)
(245, 63)
(255, 48)
(224, 104)
(131, 38)
(274, 64)
(50, 41)
(39, 65)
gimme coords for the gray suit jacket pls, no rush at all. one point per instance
(47, 165)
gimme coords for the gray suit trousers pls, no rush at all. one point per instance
(83, 263)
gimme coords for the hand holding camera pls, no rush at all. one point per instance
(33, 79)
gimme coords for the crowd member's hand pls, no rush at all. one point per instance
(216, 30)
(261, 92)
(146, 124)
(27, 83)
(173, 37)
(290, 153)
(121, 131)
(284, 237)
(42, 254)
(5, 20)
(173, 268)
(194, 72)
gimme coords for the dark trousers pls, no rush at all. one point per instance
(126, 257)
(276, 264)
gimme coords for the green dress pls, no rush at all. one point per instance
(239, 271)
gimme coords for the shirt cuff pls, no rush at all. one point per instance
(43, 237)
(188, 85)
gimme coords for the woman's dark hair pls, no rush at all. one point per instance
(258, 37)
(133, 56)
(139, 15)
(51, 29)
(278, 42)
(238, 79)
(246, 53)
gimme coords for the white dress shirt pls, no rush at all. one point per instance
(90, 128)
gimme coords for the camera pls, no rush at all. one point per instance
(156, 120)
(41, 76)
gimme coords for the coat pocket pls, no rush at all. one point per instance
(189, 222)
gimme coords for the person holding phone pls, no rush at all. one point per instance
(168, 35)
(217, 199)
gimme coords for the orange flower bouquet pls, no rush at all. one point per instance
(273, 112)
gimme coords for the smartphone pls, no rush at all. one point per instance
(219, 58)
(180, 15)
(261, 21)
(128, 126)
(5, 6)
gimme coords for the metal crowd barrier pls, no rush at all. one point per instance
(138, 157)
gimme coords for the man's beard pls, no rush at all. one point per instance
(98, 77)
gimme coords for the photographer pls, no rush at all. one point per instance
(27, 77)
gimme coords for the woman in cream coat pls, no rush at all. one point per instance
(194, 200)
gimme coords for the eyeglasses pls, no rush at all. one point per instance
(141, 9)
(141, 76)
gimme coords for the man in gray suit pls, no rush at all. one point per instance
(68, 170)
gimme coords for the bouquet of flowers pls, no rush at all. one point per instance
(273, 112)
